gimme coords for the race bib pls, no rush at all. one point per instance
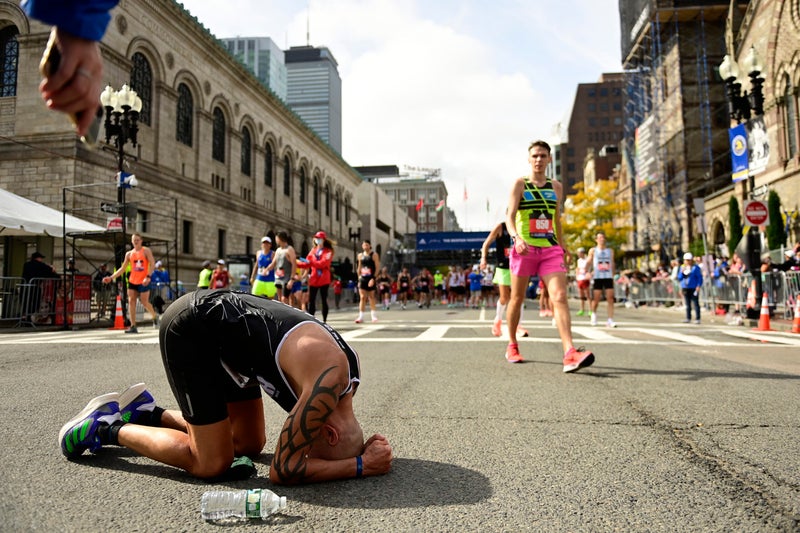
(281, 273)
(366, 271)
(540, 226)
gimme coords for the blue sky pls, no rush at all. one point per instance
(457, 85)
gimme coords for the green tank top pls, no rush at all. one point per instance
(536, 212)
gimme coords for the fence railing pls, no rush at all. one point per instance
(729, 292)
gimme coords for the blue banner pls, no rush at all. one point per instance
(451, 240)
(739, 153)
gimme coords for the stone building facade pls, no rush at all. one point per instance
(238, 161)
(773, 28)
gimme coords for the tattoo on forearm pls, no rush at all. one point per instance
(301, 427)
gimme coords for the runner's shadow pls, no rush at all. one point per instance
(411, 483)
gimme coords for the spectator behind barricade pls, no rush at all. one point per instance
(792, 262)
(34, 272)
(737, 266)
(691, 279)
(101, 290)
(159, 287)
(244, 283)
(71, 268)
(36, 268)
(204, 280)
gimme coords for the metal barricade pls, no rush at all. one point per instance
(10, 301)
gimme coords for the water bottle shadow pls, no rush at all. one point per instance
(411, 483)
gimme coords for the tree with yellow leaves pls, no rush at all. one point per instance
(594, 209)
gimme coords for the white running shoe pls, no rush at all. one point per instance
(593, 320)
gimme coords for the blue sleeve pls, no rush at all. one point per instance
(84, 18)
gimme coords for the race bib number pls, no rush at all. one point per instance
(604, 266)
(366, 271)
(138, 265)
(281, 273)
(263, 271)
(540, 226)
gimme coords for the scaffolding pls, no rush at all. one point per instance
(668, 47)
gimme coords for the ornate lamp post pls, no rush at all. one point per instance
(354, 234)
(121, 124)
(740, 105)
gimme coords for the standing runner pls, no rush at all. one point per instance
(284, 264)
(582, 277)
(263, 279)
(404, 286)
(502, 275)
(142, 264)
(368, 266)
(534, 221)
(601, 259)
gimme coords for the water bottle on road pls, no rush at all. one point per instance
(240, 504)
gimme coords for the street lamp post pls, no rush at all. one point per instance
(121, 124)
(354, 234)
(740, 105)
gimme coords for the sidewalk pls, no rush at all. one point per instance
(676, 313)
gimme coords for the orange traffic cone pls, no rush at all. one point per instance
(119, 320)
(763, 319)
(796, 321)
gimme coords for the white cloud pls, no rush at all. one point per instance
(460, 85)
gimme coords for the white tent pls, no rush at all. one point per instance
(20, 216)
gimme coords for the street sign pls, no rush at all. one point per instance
(759, 191)
(113, 208)
(756, 213)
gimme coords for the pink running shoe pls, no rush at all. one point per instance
(496, 331)
(512, 354)
(358, 321)
(575, 359)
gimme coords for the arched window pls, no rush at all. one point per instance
(142, 83)
(327, 200)
(346, 210)
(338, 207)
(316, 193)
(218, 136)
(268, 165)
(184, 121)
(287, 176)
(790, 126)
(302, 185)
(9, 58)
(247, 150)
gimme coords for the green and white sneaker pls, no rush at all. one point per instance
(80, 433)
(133, 401)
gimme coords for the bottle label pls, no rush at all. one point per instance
(253, 509)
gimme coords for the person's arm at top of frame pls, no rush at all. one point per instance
(488, 242)
(74, 86)
(292, 257)
(87, 19)
(255, 268)
(520, 246)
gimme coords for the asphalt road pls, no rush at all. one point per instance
(675, 428)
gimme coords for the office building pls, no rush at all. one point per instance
(314, 91)
(264, 58)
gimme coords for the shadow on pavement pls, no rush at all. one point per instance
(411, 483)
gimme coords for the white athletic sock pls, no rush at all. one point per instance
(374, 315)
(501, 310)
(360, 315)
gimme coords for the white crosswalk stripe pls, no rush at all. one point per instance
(455, 330)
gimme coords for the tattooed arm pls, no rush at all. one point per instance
(321, 437)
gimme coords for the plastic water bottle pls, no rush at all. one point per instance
(240, 504)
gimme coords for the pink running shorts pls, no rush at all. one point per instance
(538, 261)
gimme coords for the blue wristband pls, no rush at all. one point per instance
(359, 466)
